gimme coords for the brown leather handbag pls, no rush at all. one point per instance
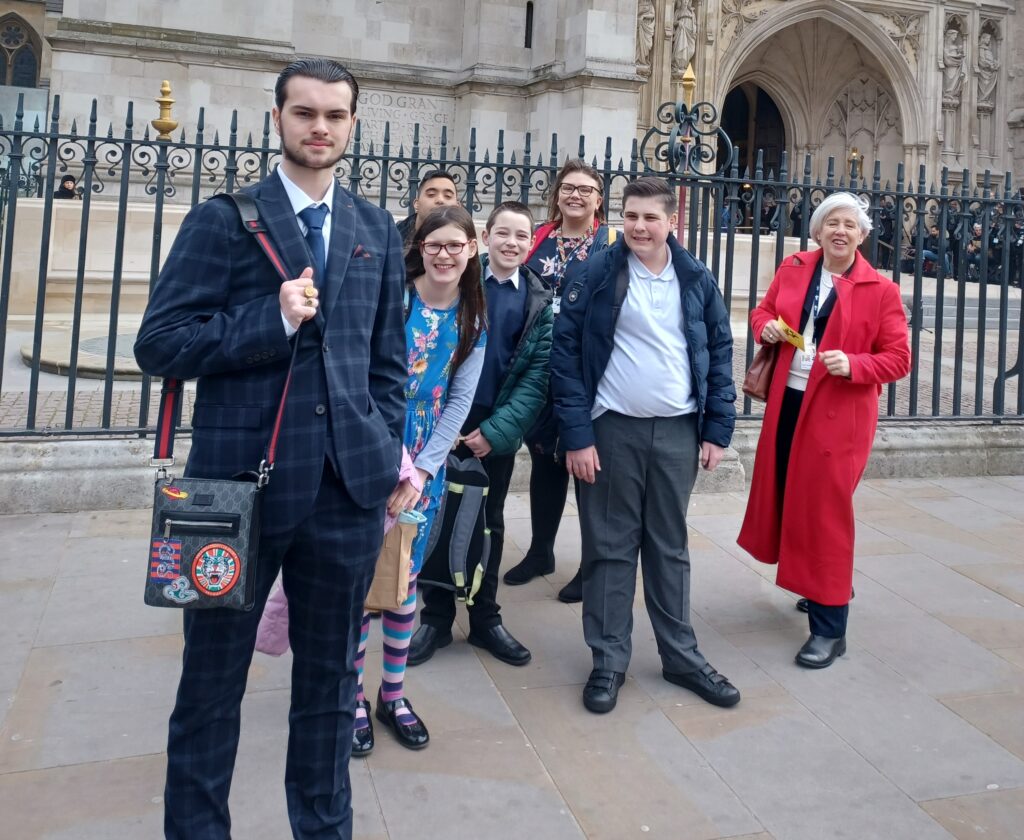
(759, 376)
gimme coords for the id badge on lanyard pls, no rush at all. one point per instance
(807, 355)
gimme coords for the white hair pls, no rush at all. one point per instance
(841, 201)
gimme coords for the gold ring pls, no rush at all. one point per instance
(310, 302)
(309, 291)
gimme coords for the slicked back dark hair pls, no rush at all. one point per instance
(650, 187)
(323, 70)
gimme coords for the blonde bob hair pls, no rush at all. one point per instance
(841, 201)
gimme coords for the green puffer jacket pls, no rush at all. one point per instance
(523, 390)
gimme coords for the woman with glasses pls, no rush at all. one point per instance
(445, 337)
(575, 229)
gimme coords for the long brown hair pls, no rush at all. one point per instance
(575, 165)
(472, 315)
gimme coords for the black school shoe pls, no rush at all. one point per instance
(414, 735)
(362, 739)
(530, 567)
(425, 642)
(572, 592)
(707, 684)
(601, 692)
(500, 644)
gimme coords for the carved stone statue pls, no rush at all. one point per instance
(645, 17)
(684, 35)
(953, 69)
(988, 71)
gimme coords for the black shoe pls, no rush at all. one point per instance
(707, 684)
(528, 568)
(802, 603)
(411, 735)
(500, 644)
(425, 641)
(572, 592)
(820, 652)
(362, 739)
(602, 690)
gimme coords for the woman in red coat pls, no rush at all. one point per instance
(819, 423)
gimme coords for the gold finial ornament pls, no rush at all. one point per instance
(689, 85)
(165, 124)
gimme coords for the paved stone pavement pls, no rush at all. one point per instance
(918, 732)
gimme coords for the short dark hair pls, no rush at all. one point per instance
(433, 175)
(509, 207)
(650, 187)
(322, 69)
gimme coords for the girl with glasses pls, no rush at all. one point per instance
(575, 229)
(445, 336)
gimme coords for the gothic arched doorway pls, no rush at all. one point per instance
(752, 121)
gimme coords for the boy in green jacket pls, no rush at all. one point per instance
(510, 395)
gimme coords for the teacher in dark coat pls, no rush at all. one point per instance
(819, 423)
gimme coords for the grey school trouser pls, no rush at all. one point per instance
(638, 506)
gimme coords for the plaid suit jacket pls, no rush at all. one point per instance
(214, 315)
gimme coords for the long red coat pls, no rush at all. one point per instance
(812, 540)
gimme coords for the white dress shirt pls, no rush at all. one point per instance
(300, 201)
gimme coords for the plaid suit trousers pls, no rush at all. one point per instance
(326, 563)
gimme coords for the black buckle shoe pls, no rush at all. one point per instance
(425, 642)
(362, 738)
(820, 652)
(500, 644)
(528, 568)
(572, 592)
(601, 692)
(414, 735)
(707, 684)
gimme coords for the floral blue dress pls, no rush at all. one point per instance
(431, 336)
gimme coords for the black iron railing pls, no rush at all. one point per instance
(961, 284)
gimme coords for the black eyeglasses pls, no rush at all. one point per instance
(432, 249)
(582, 189)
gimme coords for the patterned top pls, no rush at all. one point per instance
(554, 255)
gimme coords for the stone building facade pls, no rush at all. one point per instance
(936, 82)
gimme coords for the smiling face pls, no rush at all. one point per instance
(576, 209)
(444, 270)
(508, 242)
(839, 238)
(646, 225)
(315, 122)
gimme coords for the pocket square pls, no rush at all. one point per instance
(360, 251)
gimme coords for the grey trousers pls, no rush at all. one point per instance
(638, 506)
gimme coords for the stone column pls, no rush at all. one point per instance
(951, 62)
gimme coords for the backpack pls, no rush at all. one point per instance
(459, 533)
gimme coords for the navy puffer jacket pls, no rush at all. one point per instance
(584, 335)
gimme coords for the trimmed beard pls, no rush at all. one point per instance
(300, 159)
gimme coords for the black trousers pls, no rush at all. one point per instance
(439, 604)
(326, 564)
(826, 621)
(549, 486)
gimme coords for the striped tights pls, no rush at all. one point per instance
(397, 628)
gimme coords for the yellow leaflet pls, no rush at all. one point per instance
(792, 336)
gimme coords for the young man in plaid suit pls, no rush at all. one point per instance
(220, 313)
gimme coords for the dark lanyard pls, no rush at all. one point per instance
(565, 260)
